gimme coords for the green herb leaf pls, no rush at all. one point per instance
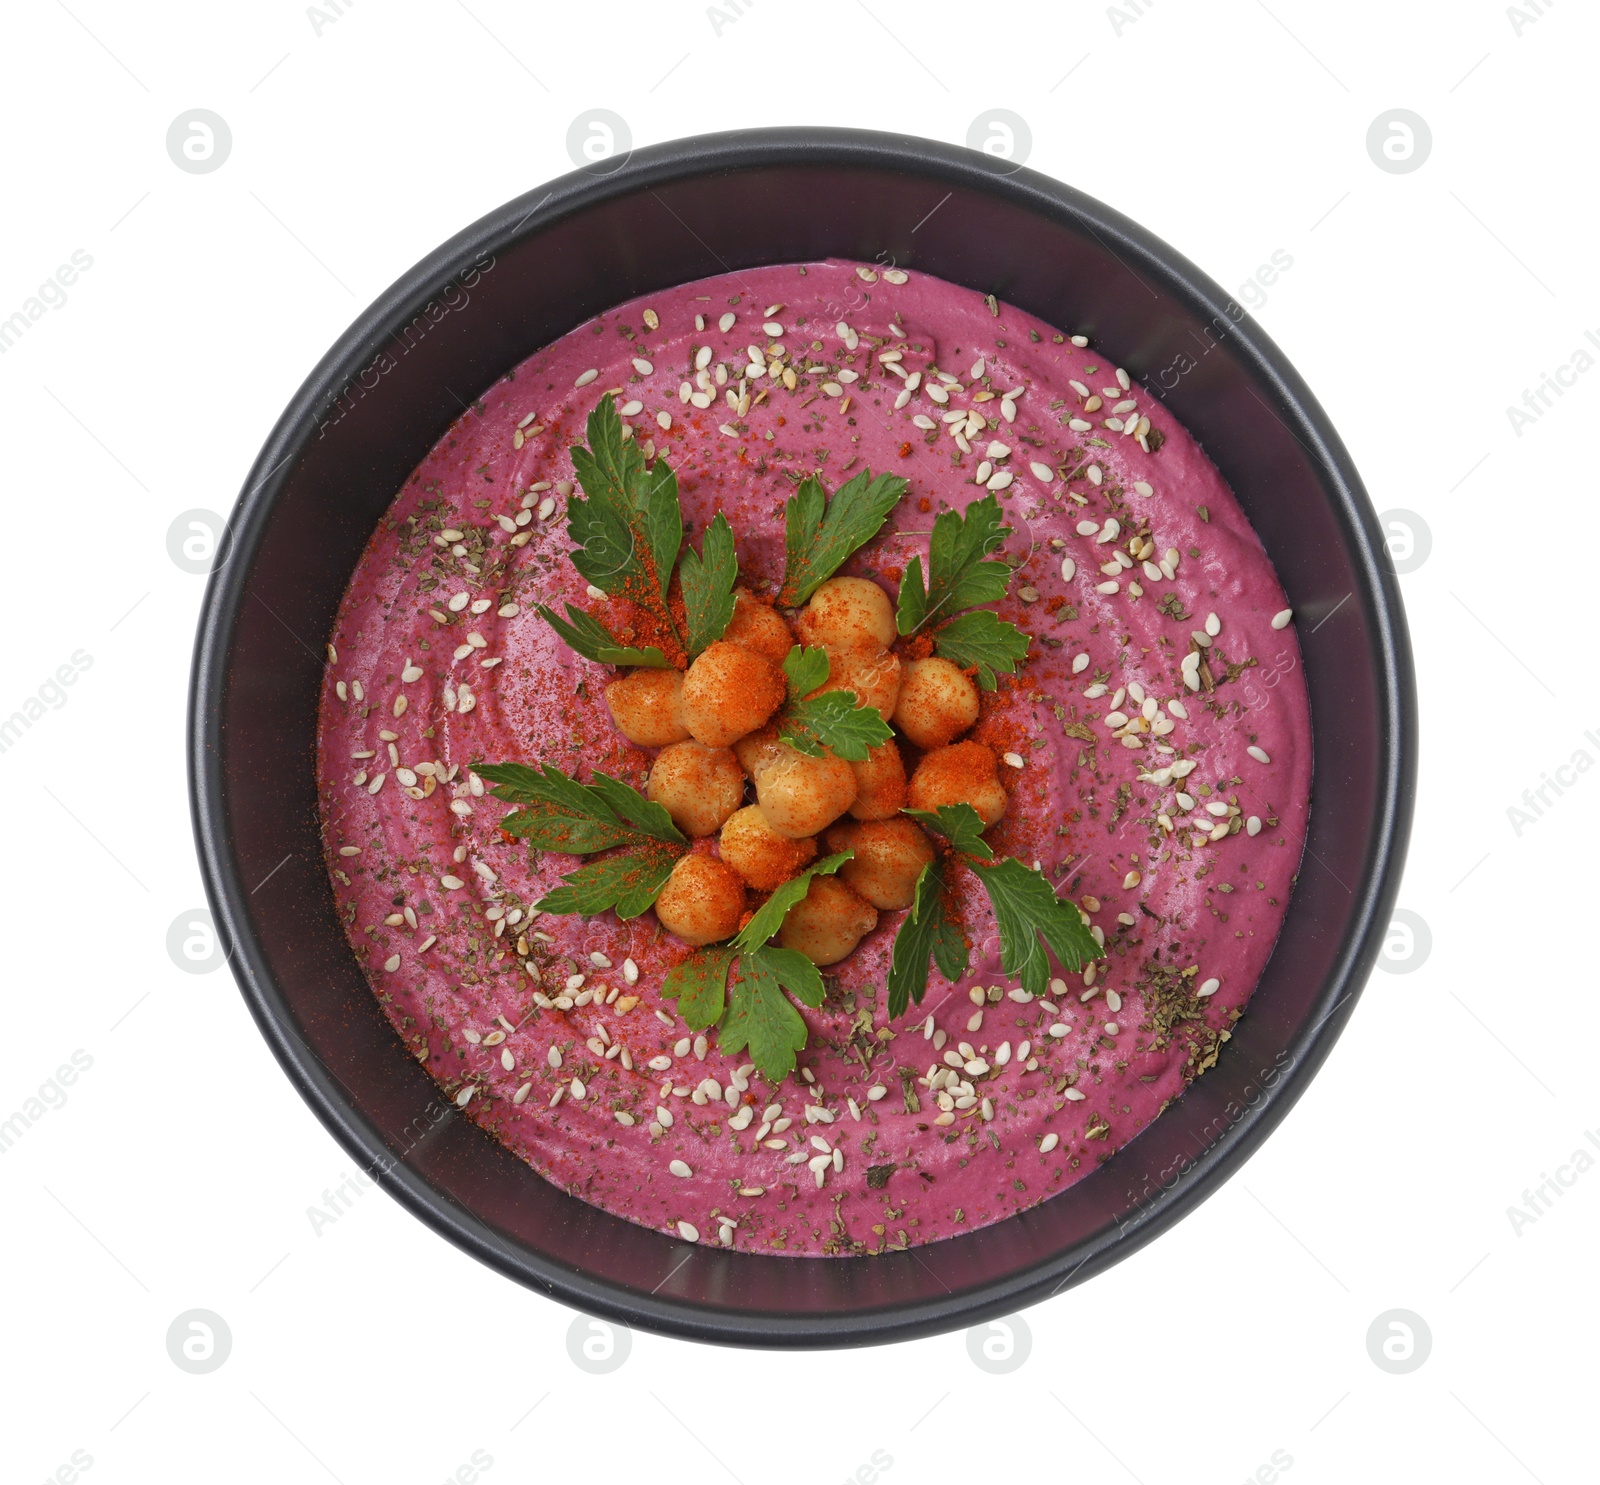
(629, 882)
(708, 577)
(1027, 909)
(795, 973)
(981, 638)
(821, 533)
(960, 824)
(579, 819)
(591, 639)
(806, 669)
(761, 1017)
(698, 985)
(958, 577)
(926, 930)
(629, 527)
(833, 720)
(769, 916)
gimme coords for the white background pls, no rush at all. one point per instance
(179, 1172)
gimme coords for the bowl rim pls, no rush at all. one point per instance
(662, 164)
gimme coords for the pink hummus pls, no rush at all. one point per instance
(1181, 844)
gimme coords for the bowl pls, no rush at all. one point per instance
(518, 279)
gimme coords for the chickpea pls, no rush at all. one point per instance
(848, 614)
(758, 627)
(755, 750)
(799, 795)
(874, 676)
(728, 692)
(699, 786)
(828, 922)
(647, 707)
(880, 783)
(890, 855)
(703, 900)
(765, 859)
(937, 702)
(962, 774)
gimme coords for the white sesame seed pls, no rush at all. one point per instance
(1041, 472)
(1014, 759)
(1252, 826)
(1178, 709)
(464, 1096)
(1209, 988)
(1132, 880)
(1281, 619)
(1048, 1143)
(586, 377)
(1259, 754)
(689, 1232)
(1213, 625)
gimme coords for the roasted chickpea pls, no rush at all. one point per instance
(728, 692)
(799, 795)
(755, 750)
(699, 786)
(874, 676)
(890, 855)
(937, 702)
(647, 706)
(880, 783)
(961, 774)
(702, 901)
(758, 627)
(760, 855)
(848, 614)
(828, 922)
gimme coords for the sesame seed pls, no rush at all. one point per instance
(1132, 880)
(1041, 472)
(586, 377)
(1213, 625)
(1048, 1143)
(1209, 988)
(689, 1232)
(1259, 754)
(1014, 759)
(1252, 826)
(465, 1095)
(1281, 619)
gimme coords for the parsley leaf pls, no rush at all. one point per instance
(591, 639)
(761, 1017)
(629, 882)
(806, 669)
(821, 533)
(629, 527)
(925, 931)
(960, 824)
(833, 720)
(958, 577)
(1027, 909)
(769, 916)
(579, 819)
(983, 639)
(698, 984)
(708, 577)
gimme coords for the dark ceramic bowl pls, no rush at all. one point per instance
(523, 276)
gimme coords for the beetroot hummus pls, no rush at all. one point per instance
(1155, 751)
